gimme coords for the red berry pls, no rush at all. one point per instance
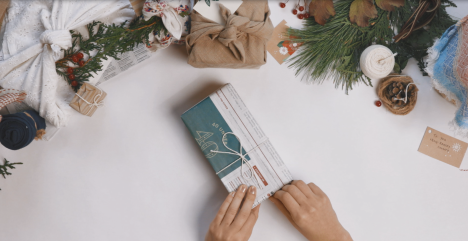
(80, 55)
(282, 5)
(74, 83)
(70, 70)
(378, 103)
(295, 11)
(301, 8)
(75, 59)
(300, 16)
(306, 15)
(81, 63)
(71, 76)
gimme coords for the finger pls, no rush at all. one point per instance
(303, 187)
(234, 206)
(316, 189)
(250, 222)
(287, 200)
(281, 207)
(246, 208)
(296, 194)
(224, 207)
(283, 210)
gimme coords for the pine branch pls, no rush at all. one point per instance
(108, 41)
(334, 50)
(6, 165)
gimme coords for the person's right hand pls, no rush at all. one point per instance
(308, 208)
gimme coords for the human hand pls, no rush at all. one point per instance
(233, 221)
(309, 210)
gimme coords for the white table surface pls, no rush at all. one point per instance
(133, 172)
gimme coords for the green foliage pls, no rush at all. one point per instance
(4, 168)
(107, 41)
(334, 50)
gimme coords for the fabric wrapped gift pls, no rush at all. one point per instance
(88, 99)
(447, 65)
(239, 44)
(175, 16)
(36, 32)
(20, 129)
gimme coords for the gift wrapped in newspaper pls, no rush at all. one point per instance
(88, 99)
(235, 145)
(241, 43)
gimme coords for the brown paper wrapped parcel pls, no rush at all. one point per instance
(241, 44)
(91, 99)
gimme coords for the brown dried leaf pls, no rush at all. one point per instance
(361, 11)
(389, 5)
(321, 10)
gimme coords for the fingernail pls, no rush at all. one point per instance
(253, 189)
(233, 193)
(243, 188)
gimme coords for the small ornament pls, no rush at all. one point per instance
(294, 11)
(282, 5)
(81, 63)
(300, 16)
(378, 103)
(79, 55)
(70, 70)
(74, 83)
(301, 8)
(306, 15)
(75, 59)
(71, 76)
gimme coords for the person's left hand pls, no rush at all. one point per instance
(233, 221)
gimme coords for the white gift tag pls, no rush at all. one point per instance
(212, 12)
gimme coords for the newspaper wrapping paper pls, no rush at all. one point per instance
(222, 112)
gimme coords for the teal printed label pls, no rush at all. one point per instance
(208, 126)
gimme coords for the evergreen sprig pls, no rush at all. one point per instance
(105, 41)
(334, 50)
(4, 168)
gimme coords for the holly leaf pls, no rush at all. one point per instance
(361, 11)
(389, 5)
(321, 10)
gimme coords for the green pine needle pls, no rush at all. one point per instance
(108, 41)
(334, 50)
(4, 168)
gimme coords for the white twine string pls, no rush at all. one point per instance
(377, 61)
(241, 157)
(95, 101)
(406, 93)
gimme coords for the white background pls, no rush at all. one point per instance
(133, 172)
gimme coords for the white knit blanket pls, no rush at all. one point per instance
(35, 33)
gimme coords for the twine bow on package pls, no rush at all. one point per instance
(88, 99)
(240, 44)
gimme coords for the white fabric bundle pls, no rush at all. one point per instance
(377, 61)
(35, 33)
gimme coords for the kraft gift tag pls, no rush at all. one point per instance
(279, 46)
(443, 147)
